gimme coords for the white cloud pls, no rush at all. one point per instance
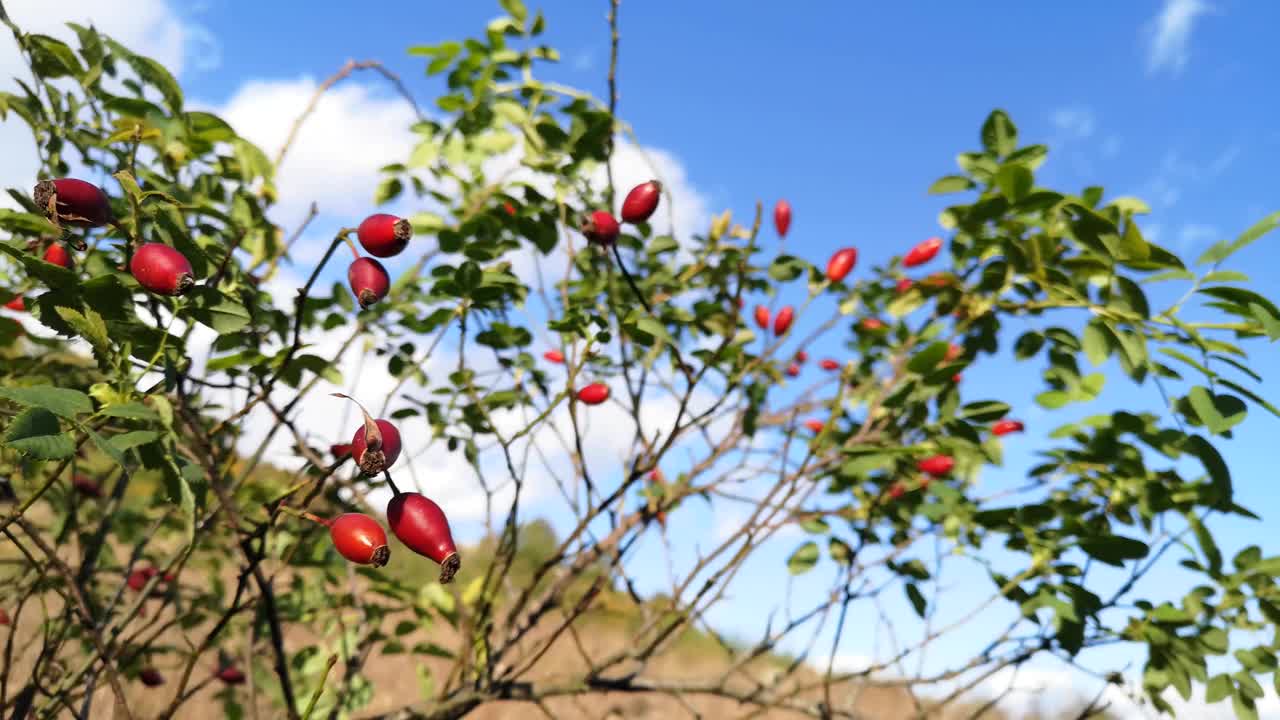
(1075, 122)
(335, 157)
(1193, 234)
(1170, 34)
(149, 27)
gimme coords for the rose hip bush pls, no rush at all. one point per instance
(148, 552)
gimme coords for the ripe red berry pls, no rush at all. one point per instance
(841, 264)
(814, 425)
(16, 304)
(76, 202)
(801, 356)
(741, 303)
(161, 269)
(904, 284)
(782, 217)
(58, 255)
(511, 209)
(369, 281)
(4, 617)
(231, 675)
(872, 324)
(86, 486)
(384, 235)
(936, 465)
(422, 526)
(375, 457)
(897, 491)
(762, 317)
(600, 227)
(829, 364)
(1004, 427)
(641, 202)
(782, 323)
(360, 539)
(957, 377)
(137, 580)
(922, 253)
(554, 356)
(793, 370)
(953, 351)
(594, 394)
(151, 677)
(340, 450)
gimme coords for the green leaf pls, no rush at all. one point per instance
(1219, 413)
(928, 358)
(1096, 341)
(1015, 181)
(1219, 474)
(1053, 399)
(1207, 544)
(89, 325)
(803, 559)
(1260, 228)
(112, 451)
(649, 325)
(951, 184)
(984, 411)
(136, 438)
(916, 597)
(786, 268)
(132, 411)
(840, 551)
(999, 135)
(36, 433)
(516, 9)
(154, 74)
(1218, 688)
(52, 58)
(60, 401)
(1113, 549)
(217, 310)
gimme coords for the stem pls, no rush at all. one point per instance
(305, 515)
(354, 251)
(395, 491)
(311, 704)
(634, 288)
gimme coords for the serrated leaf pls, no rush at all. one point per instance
(89, 325)
(60, 401)
(132, 411)
(218, 310)
(928, 358)
(1015, 181)
(1219, 413)
(35, 432)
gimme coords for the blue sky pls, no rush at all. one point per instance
(850, 110)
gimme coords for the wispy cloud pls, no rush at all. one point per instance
(1076, 122)
(1170, 34)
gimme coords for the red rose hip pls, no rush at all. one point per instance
(762, 317)
(384, 235)
(829, 364)
(1005, 427)
(782, 217)
(369, 281)
(161, 269)
(340, 450)
(151, 677)
(871, 324)
(374, 457)
(75, 202)
(231, 676)
(86, 486)
(600, 227)
(422, 526)
(594, 394)
(922, 253)
(903, 285)
(554, 356)
(936, 465)
(814, 425)
(793, 370)
(360, 539)
(782, 323)
(841, 264)
(17, 304)
(641, 202)
(58, 255)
